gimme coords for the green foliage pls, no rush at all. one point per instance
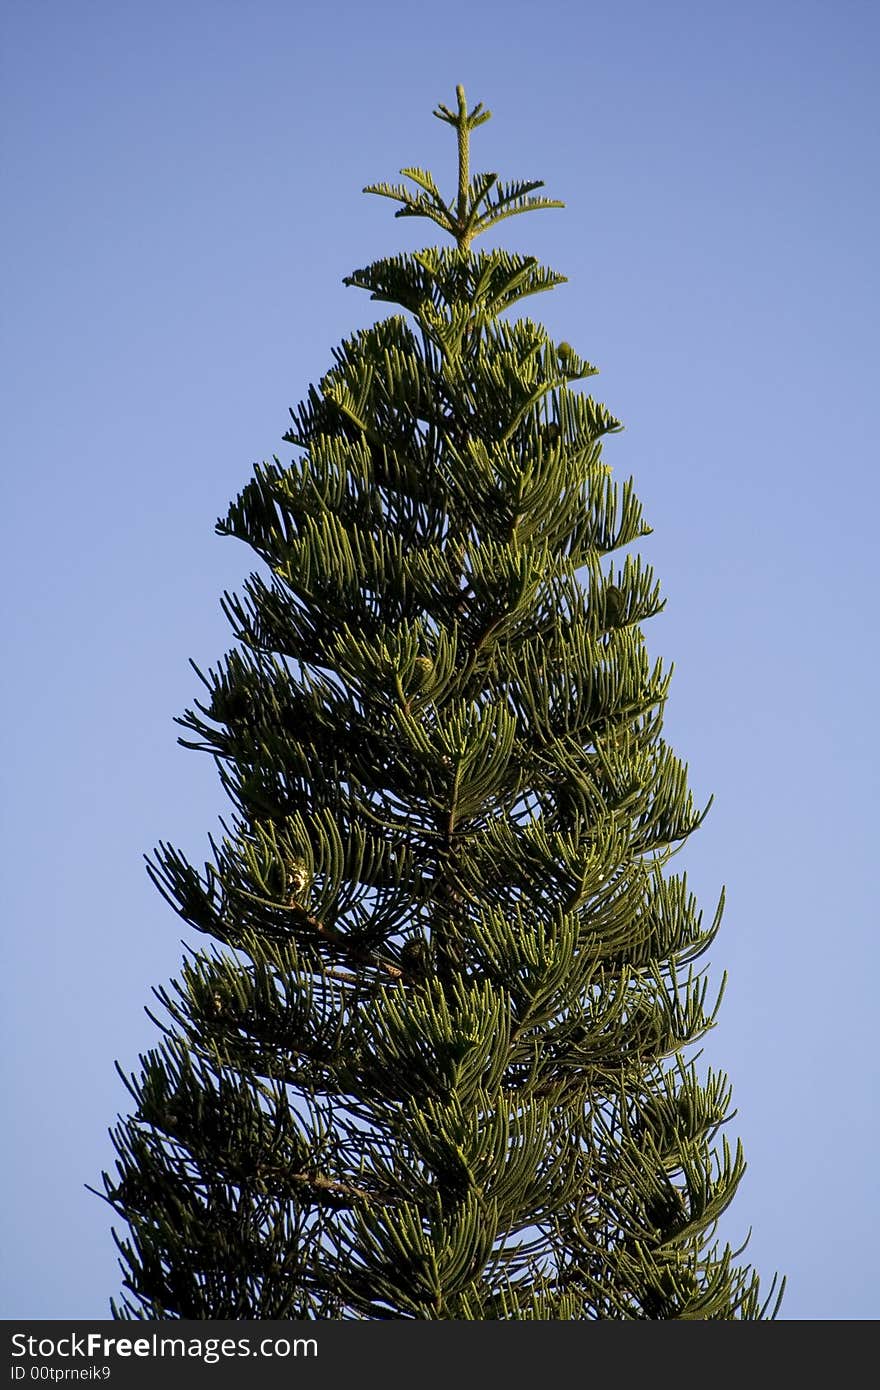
(434, 1064)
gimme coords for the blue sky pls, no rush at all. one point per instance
(183, 199)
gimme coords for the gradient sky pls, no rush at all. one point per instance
(182, 201)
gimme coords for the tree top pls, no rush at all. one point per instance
(481, 201)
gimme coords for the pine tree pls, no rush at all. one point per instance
(435, 1063)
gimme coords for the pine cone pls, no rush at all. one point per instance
(298, 878)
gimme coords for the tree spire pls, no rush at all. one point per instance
(464, 123)
(480, 202)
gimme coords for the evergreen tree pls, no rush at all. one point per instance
(434, 1065)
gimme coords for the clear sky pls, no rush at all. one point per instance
(182, 199)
